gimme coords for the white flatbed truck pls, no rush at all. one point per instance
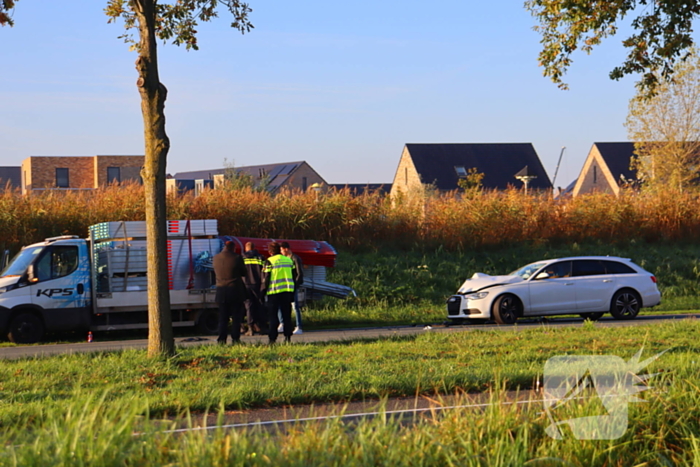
(69, 284)
(99, 284)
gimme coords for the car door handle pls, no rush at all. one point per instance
(569, 283)
(607, 280)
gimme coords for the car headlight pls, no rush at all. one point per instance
(476, 296)
(5, 289)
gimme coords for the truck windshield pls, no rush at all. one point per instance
(21, 261)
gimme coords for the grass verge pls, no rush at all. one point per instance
(85, 409)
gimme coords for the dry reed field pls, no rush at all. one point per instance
(470, 222)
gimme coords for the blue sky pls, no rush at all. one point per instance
(342, 85)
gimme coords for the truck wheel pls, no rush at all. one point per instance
(506, 309)
(208, 322)
(26, 328)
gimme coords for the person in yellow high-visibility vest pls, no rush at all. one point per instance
(278, 286)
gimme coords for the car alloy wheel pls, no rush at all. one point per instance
(625, 304)
(506, 309)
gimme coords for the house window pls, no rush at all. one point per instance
(461, 171)
(595, 174)
(62, 178)
(113, 174)
(405, 175)
(303, 184)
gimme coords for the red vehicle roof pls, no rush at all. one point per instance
(311, 252)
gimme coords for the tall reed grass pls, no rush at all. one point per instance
(453, 222)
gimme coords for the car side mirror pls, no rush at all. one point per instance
(542, 275)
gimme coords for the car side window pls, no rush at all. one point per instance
(588, 267)
(557, 270)
(615, 267)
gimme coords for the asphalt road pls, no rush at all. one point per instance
(99, 345)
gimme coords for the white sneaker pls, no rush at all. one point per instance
(280, 328)
(298, 330)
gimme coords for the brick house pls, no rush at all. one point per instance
(78, 172)
(443, 165)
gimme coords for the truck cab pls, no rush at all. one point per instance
(46, 285)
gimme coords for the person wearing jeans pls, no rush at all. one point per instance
(278, 286)
(298, 281)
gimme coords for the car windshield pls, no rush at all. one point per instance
(526, 271)
(21, 261)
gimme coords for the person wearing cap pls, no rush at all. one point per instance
(278, 286)
(252, 280)
(230, 291)
(298, 280)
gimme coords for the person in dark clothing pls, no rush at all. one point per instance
(278, 286)
(252, 280)
(229, 269)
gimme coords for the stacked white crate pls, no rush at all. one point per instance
(123, 269)
(180, 257)
(117, 241)
(137, 229)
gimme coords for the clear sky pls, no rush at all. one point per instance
(341, 85)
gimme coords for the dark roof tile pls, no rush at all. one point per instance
(617, 157)
(499, 162)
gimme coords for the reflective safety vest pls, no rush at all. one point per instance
(257, 261)
(281, 272)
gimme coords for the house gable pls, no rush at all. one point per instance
(605, 166)
(302, 177)
(406, 178)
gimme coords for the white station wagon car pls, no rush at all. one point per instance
(587, 285)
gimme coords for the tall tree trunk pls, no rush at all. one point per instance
(157, 144)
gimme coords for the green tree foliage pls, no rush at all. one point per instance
(6, 7)
(666, 130)
(235, 179)
(662, 38)
(472, 182)
(177, 21)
